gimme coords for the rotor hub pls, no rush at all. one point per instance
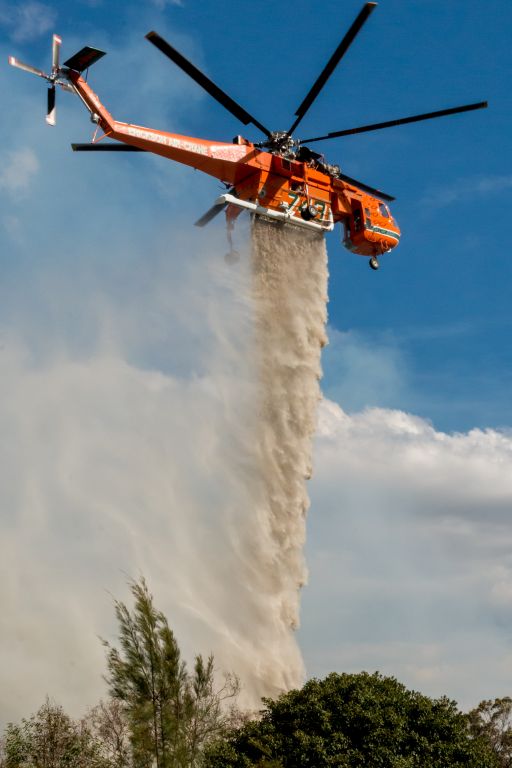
(281, 143)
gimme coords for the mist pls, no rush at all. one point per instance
(172, 439)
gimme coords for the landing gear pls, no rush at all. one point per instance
(232, 256)
(374, 263)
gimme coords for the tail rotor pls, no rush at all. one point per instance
(57, 77)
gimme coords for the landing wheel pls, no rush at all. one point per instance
(374, 263)
(232, 257)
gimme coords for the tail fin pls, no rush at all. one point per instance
(84, 59)
(60, 76)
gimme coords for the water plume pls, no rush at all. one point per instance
(174, 444)
(289, 272)
(269, 388)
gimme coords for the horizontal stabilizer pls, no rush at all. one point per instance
(104, 147)
(211, 214)
(84, 59)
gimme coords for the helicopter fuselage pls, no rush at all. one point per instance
(279, 177)
(300, 191)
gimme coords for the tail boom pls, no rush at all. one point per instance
(230, 163)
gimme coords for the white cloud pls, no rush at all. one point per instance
(17, 169)
(13, 228)
(27, 21)
(467, 189)
(162, 4)
(410, 548)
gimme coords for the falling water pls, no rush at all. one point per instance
(290, 296)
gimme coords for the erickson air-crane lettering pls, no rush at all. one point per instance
(279, 178)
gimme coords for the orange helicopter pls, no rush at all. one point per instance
(280, 177)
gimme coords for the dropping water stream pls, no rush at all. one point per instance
(290, 295)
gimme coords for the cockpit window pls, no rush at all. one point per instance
(384, 210)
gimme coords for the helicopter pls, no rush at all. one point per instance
(279, 177)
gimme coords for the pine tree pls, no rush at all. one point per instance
(171, 713)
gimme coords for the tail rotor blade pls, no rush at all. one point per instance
(51, 111)
(55, 53)
(14, 62)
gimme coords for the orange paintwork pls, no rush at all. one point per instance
(261, 177)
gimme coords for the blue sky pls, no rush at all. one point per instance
(440, 303)
(88, 244)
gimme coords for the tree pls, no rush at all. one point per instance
(51, 739)
(15, 746)
(109, 726)
(492, 721)
(353, 721)
(171, 714)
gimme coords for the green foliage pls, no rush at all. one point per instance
(171, 713)
(492, 722)
(16, 746)
(159, 714)
(353, 721)
(50, 739)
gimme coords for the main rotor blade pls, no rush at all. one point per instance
(333, 62)
(365, 187)
(51, 113)
(219, 95)
(14, 62)
(401, 121)
(104, 147)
